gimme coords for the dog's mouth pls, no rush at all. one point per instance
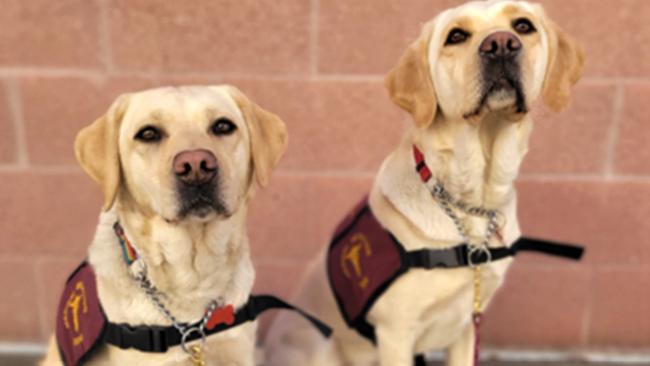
(501, 91)
(200, 201)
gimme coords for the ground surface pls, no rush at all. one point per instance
(17, 361)
(31, 361)
(536, 364)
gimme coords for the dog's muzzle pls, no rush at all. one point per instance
(196, 172)
(500, 54)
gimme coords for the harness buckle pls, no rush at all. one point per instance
(158, 341)
(448, 258)
(141, 338)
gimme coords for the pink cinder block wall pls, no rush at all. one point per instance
(320, 64)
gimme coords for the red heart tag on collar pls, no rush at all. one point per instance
(223, 315)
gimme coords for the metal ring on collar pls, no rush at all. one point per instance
(187, 333)
(438, 189)
(484, 250)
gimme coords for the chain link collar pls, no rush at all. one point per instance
(155, 296)
(448, 204)
(131, 256)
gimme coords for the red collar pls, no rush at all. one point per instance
(421, 165)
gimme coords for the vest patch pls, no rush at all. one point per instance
(80, 320)
(363, 260)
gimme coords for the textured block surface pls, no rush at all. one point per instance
(319, 65)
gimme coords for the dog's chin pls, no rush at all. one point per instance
(503, 99)
(198, 210)
(199, 213)
(203, 211)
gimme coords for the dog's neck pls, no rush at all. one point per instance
(188, 252)
(476, 162)
(192, 263)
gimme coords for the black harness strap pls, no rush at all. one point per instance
(572, 252)
(159, 338)
(458, 256)
(419, 360)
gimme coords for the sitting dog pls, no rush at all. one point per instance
(468, 81)
(178, 168)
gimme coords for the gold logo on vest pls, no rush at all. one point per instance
(77, 302)
(351, 257)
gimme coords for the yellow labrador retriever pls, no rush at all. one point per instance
(177, 167)
(468, 81)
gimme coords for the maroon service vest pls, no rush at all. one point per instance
(82, 326)
(80, 320)
(363, 260)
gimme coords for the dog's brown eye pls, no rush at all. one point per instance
(223, 126)
(456, 36)
(523, 26)
(149, 134)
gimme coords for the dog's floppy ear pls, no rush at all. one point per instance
(565, 64)
(96, 148)
(268, 136)
(409, 83)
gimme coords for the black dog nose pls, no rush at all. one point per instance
(195, 166)
(500, 44)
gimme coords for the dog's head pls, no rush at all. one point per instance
(182, 153)
(486, 57)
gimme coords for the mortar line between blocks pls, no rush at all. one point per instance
(314, 29)
(14, 98)
(27, 258)
(42, 169)
(105, 35)
(40, 298)
(100, 74)
(22, 348)
(51, 72)
(54, 72)
(352, 174)
(325, 174)
(586, 316)
(589, 178)
(613, 131)
(604, 80)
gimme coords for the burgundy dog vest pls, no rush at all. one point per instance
(364, 259)
(80, 321)
(82, 326)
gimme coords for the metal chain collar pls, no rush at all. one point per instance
(448, 203)
(185, 329)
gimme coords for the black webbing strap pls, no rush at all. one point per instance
(262, 303)
(419, 360)
(458, 256)
(159, 339)
(548, 247)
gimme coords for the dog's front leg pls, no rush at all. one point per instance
(236, 349)
(395, 345)
(461, 352)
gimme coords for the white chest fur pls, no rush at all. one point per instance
(476, 170)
